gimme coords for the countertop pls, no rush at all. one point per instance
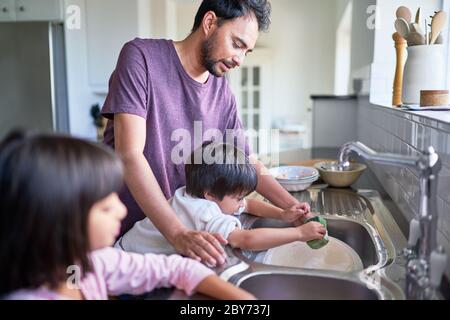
(333, 97)
(441, 118)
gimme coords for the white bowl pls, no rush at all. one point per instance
(294, 173)
(297, 186)
(298, 181)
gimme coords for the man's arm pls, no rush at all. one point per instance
(295, 214)
(129, 136)
(262, 209)
(270, 189)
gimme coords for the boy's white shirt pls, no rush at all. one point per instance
(194, 213)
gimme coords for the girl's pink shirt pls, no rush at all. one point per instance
(118, 272)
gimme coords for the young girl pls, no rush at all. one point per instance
(211, 201)
(59, 212)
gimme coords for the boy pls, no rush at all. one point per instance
(212, 200)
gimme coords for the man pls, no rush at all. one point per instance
(161, 86)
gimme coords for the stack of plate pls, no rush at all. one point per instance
(295, 178)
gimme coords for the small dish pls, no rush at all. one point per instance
(293, 173)
(335, 178)
(295, 178)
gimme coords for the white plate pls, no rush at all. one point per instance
(335, 255)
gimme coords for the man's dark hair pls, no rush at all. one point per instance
(235, 175)
(232, 9)
(48, 184)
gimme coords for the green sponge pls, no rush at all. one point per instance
(318, 243)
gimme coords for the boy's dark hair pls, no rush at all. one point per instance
(232, 9)
(231, 174)
(48, 184)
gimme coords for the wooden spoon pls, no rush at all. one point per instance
(404, 12)
(419, 15)
(437, 25)
(415, 27)
(402, 27)
(416, 39)
(439, 39)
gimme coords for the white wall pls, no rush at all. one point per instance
(164, 18)
(343, 47)
(93, 49)
(362, 43)
(302, 40)
(362, 36)
(185, 17)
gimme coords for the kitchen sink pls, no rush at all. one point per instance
(281, 286)
(353, 233)
(357, 218)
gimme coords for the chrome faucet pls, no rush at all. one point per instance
(425, 261)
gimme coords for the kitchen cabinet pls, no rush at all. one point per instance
(31, 10)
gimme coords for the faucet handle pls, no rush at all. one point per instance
(438, 261)
(414, 232)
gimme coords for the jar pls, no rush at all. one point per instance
(424, 70)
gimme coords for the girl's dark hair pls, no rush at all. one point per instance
(48, 184)
(220, 169)
(232, 9)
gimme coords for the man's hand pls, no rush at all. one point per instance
(201, 246)
(297, 212)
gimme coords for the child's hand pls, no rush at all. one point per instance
(296, 212)
(311, 231)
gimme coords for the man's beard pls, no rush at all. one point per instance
(207, 57)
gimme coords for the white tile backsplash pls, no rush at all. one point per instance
(444, 184)
(391, 130)
(420, 137)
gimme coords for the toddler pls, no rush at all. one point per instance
(213, 199)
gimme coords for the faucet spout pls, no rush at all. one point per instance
(368, 154)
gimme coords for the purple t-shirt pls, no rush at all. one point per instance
(149, 81)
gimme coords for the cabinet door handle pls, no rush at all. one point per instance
(5, 9)
(22, 8)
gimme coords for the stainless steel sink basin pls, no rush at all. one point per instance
(353, 218)
(305, 287)
(357, 218)
(353, 233)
